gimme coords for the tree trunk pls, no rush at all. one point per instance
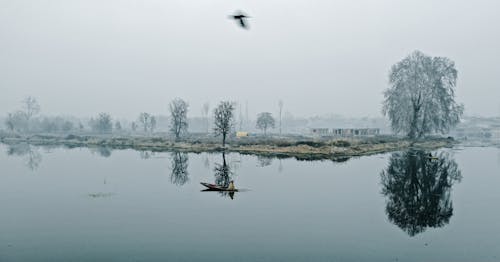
(224, 140)
(414, 123)
(422, 128)
(280, 121)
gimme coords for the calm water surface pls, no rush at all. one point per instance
(100, 205)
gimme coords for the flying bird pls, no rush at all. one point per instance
(240, 18)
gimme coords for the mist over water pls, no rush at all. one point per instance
(245, 130)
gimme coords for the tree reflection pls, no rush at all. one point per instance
(146, 154)
(101, 151)
(32, 156)
(264, 161)
(179, 175)
(206, 163)
(223, 176)
(222, 173)
(418, 190)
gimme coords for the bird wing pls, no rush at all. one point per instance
(242, 23)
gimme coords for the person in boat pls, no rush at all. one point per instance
(231, 186)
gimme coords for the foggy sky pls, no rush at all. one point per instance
(81, 57)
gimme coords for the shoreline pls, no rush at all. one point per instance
(336, 149)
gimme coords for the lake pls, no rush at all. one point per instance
(81, 204)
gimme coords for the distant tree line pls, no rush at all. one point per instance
(102, 123)
(25, 120)
(419, 101)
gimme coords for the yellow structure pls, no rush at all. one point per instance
(241, 134)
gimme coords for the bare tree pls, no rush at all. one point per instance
(205, 109)
(143, 119)
(264, 121)
(280, 105)
(102, 123)
(147, 121)
(133, 126)
(178, 117)
(31, 107)
(421, 98)
(223, 119)
(152, 124)
(16, 121)
(118, 126)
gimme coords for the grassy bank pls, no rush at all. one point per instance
(283, 147)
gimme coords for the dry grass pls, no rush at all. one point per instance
(296, 146)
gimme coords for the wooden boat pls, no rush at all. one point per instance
(217, 188)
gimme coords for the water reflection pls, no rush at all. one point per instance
(146, 154)
(101, 151)
(498, 158)
(222, 172)
(179, 175)
(418, 190)
(223, 176)
(31, 154)
(264, 161)
(206, 162)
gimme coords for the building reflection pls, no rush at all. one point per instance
(179, 167)
(31, 154)
(418, 190)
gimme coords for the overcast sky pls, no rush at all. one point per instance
(81, 57)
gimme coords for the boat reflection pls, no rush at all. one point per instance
(418, 190)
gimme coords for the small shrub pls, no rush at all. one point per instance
(71, 137)
(341, 143)
(310, 143)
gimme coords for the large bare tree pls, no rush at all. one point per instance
(178, 117)
(223, 119)
(421, 96)
(31, 107)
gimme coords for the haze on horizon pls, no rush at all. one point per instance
(319, 57)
